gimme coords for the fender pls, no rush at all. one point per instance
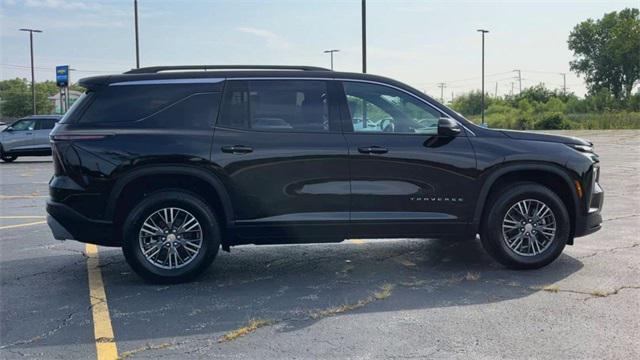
(510, 168)
(200, 173)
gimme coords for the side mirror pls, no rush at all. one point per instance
(448, 127)
(9, 129)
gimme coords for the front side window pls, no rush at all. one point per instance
(276, 105)
(381, 109)
(24, 125)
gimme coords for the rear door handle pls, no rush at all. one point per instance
(237, 149)
(373, 150)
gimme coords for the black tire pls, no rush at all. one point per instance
(493, 239)
(164, 199)
(5, 157)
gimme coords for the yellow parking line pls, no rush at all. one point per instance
(21, 225)
(105, 343)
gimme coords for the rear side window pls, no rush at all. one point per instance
(46, 124)
(167, 105)
(276, 105)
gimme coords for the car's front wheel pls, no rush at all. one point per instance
(172, 236)
(526, 226)
(6, 157)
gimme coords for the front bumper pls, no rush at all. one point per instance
(67, 224)
(592, 221)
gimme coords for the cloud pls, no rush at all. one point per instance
(61, 4)
(272, 39)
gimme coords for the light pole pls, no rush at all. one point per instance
(483, 32)
(331, 52)
(364, 36)
(135, 16)
(33, 76)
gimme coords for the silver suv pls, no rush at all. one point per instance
(28, 136)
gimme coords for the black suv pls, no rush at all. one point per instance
(172, 163)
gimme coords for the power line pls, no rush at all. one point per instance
(52, 68)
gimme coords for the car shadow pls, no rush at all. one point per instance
(294, 286)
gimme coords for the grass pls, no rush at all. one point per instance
(252, 326)
(604, 121)
(551, 288)
(384, 292)
(589, 121)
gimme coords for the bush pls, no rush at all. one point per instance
(552, 121)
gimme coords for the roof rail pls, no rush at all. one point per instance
(156, 69)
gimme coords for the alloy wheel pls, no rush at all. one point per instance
(170, 238)
(529, 227)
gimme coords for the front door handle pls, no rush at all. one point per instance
(237, 149)
(373, 150)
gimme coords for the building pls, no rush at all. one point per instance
(55, 99)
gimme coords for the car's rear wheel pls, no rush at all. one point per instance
(171, 236)
(526, 226)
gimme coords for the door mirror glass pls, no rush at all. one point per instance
(448, 127)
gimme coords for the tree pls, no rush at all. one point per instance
(607, 52)
(471, 103)
(15, 98)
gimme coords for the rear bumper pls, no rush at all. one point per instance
(67, 224)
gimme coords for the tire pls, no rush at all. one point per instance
(159, 269)
(525, 252)
(5, 157)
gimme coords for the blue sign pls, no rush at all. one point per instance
(62, 75)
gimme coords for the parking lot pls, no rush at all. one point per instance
(405, 298)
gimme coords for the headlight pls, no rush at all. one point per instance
(582, 148)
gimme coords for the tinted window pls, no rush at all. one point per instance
(22, 125)
(198, 111)
(377, 108)
(277, 105)
(136, 102)
(46, 124)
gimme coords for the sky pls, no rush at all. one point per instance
(422, 43)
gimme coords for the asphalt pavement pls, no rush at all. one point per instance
(404, 298)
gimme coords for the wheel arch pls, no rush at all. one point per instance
(552, 176)
(184, 177)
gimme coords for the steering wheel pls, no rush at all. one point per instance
(386, 125)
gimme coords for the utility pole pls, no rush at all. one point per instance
(442, 86)
(135, 15)
(364, 36)
(564, 83)
(496, 94)
(483, 32)
(331, 52)
(512, 88)
(451, 96)
(519, 77)
(33, 76)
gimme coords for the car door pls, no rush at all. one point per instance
(280, 145)
(41, 134)
(405, 179)
(18, 136)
